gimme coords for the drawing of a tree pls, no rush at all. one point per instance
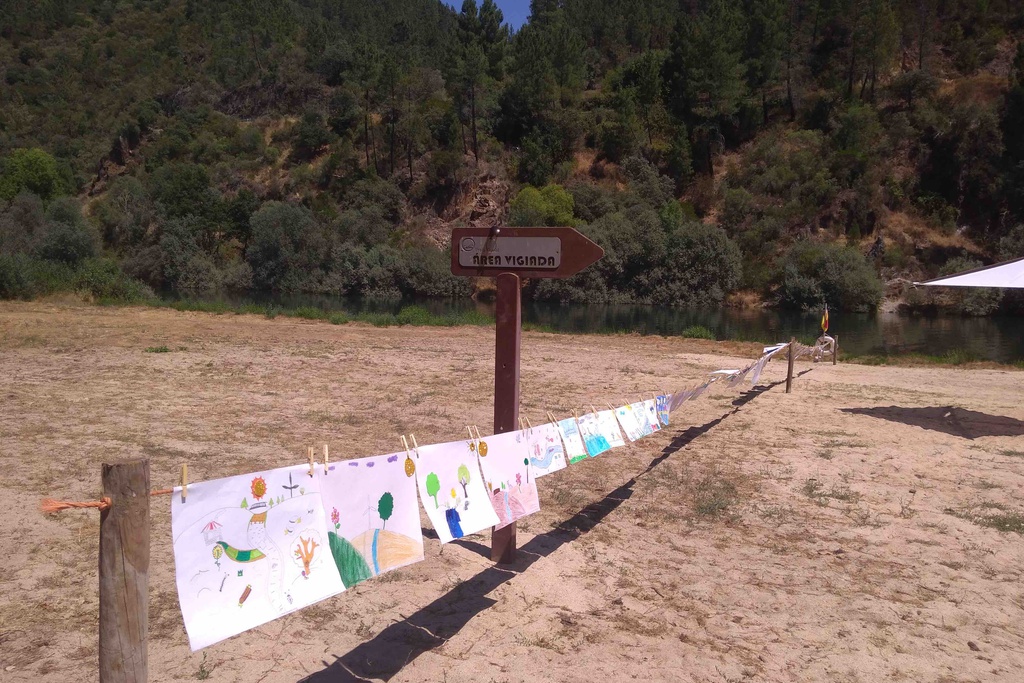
(385, 506)
(464, 479)
(433, 486)
(526, 461)
(245, 504)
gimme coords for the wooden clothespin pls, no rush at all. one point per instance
(593, 409)
(528, 425)
(415, 446)
(478, 437)
(326, 459)
(520, 424)
(551, 417)
(309, 454)
(184, 481)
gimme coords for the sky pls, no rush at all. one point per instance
(515, 11)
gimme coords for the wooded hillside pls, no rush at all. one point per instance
(793, 151)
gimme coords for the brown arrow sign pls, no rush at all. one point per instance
(527, 252)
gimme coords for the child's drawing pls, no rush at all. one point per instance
(610, 428)
(373, 517)
(651, 415)
(663, 411)
(239, 562)
(570, 433)
(629, 422)
(509, 477)
(545, 449)
(593, 439)
(451, 488)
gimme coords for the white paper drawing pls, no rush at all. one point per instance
(452, 489)
(639, 410)
(570, 433)
(545, 446)
(609, 427)
(593, 439)
(509, 478)
(373, 517)
(249, 549)
(651, 415)
(629, 422)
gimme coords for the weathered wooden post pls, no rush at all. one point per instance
(835, 350)
(507, 335)
(124, 573)
(789, 372)
(509, 254)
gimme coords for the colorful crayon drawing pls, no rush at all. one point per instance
(373, 517)
(651, 415)
(629, 422)
(593, 439)
(663, 411)
(452, 489)
(509, 477)
(545, 447)
(640, 413)
(570, 433)
(609, 427)
(239, 562)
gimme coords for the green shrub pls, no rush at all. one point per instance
(31, 170)
(67, 238)
(814, 274)
(104, 280)
(551, 205)
(697, 332)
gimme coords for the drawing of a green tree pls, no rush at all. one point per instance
(464, 479)
(245, 504)
(433, 486)
(526, 461)
(385, 506)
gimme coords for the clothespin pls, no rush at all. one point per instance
(309, 454)
(478, 437)
(405, 443)
(520, 424)
(551, 417)
(326, 458)
(576, 414)
(184, 481)
(610, 407)
(593, 409)
(415, 446)
(528, 425)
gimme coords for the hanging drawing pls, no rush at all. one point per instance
(570, 433)
(663, 408)
(678, 399)
(640, 413)
(629, 422)
(609, 428)
(249, 549)
(651, 415)
(509, 478)
(451, 488)
(545, 449)
(373, 519)
(594, 441)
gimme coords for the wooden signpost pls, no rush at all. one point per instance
(510, 254)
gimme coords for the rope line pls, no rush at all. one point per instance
(50, 505)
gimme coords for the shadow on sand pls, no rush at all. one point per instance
(969, 424)
(387, 653)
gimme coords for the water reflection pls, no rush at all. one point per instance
(993, 338)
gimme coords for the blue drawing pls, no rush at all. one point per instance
(451, 516)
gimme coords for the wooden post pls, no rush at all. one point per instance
(789, 372)
(507, 335)
(835, 350)
(124, 573)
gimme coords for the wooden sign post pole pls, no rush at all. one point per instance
(507, 337)
(124, 573)
(789, 372)
(509, 254)
(835, 350)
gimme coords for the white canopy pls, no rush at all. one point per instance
(1009, 274)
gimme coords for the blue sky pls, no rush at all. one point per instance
(515, 11)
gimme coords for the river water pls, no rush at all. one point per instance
(998, 338)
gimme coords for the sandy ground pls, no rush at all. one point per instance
(832, 534)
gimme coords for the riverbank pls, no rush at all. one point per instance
(863, 527)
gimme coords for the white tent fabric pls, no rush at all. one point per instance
(1009, 274)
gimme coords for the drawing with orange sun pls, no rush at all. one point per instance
(259, 488)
